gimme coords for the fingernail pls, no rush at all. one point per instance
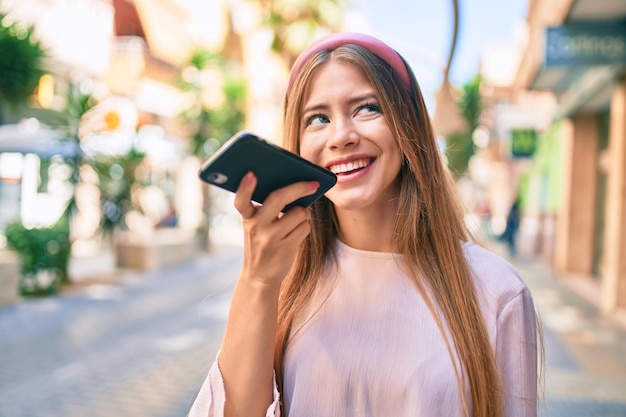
(314, 185)
(248, 179)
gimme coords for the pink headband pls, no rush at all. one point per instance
(333, 41)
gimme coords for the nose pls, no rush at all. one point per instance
(344, 134)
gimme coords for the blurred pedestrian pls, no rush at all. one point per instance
(509, 236)
(170, 219)
(375, 301)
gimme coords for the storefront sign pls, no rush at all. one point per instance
(586, 44)
(523, 143)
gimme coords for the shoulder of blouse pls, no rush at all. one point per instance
(493, 273)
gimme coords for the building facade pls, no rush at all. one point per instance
(576, 50)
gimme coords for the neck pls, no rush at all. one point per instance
(368, 229)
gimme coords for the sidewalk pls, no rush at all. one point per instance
(585, 352)
(99, 267)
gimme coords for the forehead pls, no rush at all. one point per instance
(336, 78)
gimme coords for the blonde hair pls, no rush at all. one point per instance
(429, 231)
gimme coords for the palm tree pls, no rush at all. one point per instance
(19, 74)
(208, 123)
(460, 145)
(294, 26)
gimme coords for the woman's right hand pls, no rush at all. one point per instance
(271, 238)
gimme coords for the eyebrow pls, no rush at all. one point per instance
(351, 101)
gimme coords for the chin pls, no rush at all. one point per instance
(349, 203)
(348, 197)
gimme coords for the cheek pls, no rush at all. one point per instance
(310, 151)
(393, 149)
(399, 157)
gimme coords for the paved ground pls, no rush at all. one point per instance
(140, 348)
(140, 344)
(585, 353)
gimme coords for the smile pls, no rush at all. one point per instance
(348, 167)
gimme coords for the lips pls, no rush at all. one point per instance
(349, 166)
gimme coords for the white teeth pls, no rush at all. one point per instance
(349, 166)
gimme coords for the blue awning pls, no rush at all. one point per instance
(32, 138)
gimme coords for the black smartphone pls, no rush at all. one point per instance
(273, 166)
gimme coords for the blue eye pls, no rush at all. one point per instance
(369, 108)
(317, 119)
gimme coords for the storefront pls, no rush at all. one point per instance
(579, 53)
(34, 176)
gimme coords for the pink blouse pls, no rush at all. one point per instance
(369, 346)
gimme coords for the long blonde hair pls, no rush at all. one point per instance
(429, 230)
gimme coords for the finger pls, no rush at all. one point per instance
(299, 225)
(278, 199)
(293, 218)
(243, 196)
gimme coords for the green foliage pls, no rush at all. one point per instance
(117, 180)
(460, 147)
(459, 150)
(214, 124)
(471, 102)
(543, 186)
(45, 249)
(21, 62)
(77, 103)
(226, 120)
(67, 121)
(201, 58)
(294, 23)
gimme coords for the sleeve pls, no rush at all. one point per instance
(211, 398)
(516, 355)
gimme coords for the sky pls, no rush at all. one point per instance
(421, 30)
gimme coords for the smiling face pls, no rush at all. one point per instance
(343, 129)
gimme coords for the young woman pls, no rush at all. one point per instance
(375, 301)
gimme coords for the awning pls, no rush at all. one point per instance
(584, 56)
(580, 89)
(30, 137)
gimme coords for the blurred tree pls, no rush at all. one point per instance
(44, 257)
(46, 250)
(21, 68)
(471, 102)
(21, 65)
(117, 179)
(217, 82)
(217, 110)
(294, 23)
(116, 174)
(67, 120)
(460, 146)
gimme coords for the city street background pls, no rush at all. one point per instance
(108, 108)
